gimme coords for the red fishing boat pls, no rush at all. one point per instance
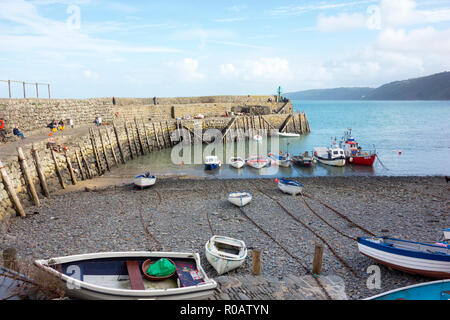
(354, 154)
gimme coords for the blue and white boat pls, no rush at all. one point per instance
(144, 180)
(212, 162)
(289, 186)
(434, 290)
(430, 260)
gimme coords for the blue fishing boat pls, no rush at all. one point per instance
(435, 290)
(212, 162)
(289, 186)
(430, 260)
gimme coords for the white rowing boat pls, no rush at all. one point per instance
(258, 162)
(237, 162)
(119, 276)
(225, 253)
(144, 181)
(240, 199)
(288, 135)
(289, 186)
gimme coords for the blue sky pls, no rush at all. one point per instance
(99, 48)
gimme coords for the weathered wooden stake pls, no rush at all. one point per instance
(146, 136)
(317, 262)
(105, 155)
(40, 173)
(70, 168)
(11, 191)
(141, 143)
(58, 173)
(28, 178)
(118, 143)
(134, 140)
(10, 259)
(112, 147)
(256, 262)
(86, 163)
(168, 135)
(162, 134)
(83, 177)
(156, 136)
(95, 151)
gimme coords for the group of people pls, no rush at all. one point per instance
(55, 126)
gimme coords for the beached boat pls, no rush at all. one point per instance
(288, 135)
(237, 162)
(212, 162)
(431, 260)
(119, 275)
(434, 290)
(258, 162)
(280, 160)
(333, 156)
(257, 138)
(240, 199)
(144, 180)
(225, 253)
(303, 160)
(289, 186)
(354, 154)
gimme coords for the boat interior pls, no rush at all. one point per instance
(228, 247)
(126, 273)
(414, 246)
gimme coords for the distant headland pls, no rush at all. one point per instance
(433, 87)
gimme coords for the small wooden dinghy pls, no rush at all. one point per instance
(240, 199)
(289, 186)
(434, 290)
(258, 162)
(225, 253)
(237, 162)
(430, 260)
(118, 276)
(144, 180)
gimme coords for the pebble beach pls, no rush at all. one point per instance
(181, 214)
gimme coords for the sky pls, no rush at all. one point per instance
(173, 48)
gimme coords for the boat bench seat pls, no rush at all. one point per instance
(134, 272)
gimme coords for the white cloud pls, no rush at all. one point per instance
(341, 22)
(89, 74)
(186, 70)
(228, 70)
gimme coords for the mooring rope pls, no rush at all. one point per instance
(312, 231)
(149, 234)
(288, 252)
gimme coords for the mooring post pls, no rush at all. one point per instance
(86, 163)
(134, 140)
(112, 147)
(11, 191)
(95, 151)
(70, 168)
(83, 177)
(58, 173)
(40, 173)
(146, 135)
(27, 175)
(317, 262)
(162, 134)
(118, 143)
(108, 167)
(155, 133)
(256, 262)
(10, 259)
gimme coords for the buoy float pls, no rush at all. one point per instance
(276, 180)
(351, 159)
(399, 152)
(2, 124)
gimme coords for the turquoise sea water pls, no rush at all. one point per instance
(419, 129)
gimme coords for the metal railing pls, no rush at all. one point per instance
(36, 84)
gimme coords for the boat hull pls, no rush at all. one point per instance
(143, 183)
(221, 262)
(333, 162)
(240, 198)
(362, 160)
(212, 166)
(291, 188)
(258, 163)
(434, 290)
(237, 163)
(407, 261)
(96, 276)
